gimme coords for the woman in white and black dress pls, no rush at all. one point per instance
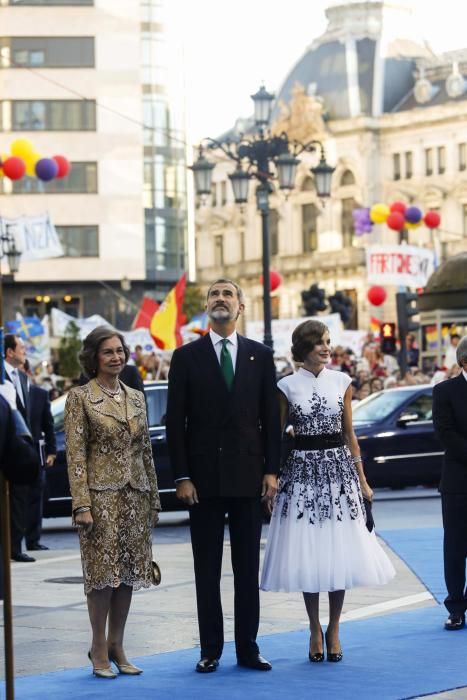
(318, 540)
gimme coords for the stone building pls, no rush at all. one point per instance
(392, 117)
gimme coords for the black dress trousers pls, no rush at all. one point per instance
(454, 508)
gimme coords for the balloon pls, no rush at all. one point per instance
(275, 280)
(64, 166)
(413, 215)
(410, 226)
(396, 221)
(432, 219)
(22, 148)
(398, 206)
(376, 295)
(14, 168)
(46, 169)
(379, 213)
(31, 161)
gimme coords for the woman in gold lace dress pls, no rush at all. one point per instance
(114, 493)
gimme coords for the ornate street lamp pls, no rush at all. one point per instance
(254, 156)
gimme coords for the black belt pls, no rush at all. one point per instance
(318, 442)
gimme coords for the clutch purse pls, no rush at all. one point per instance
(370, 523)
(156, 575)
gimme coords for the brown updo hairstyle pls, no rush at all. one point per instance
(91, 344)
(305, 337)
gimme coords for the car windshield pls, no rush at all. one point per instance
(378, 406)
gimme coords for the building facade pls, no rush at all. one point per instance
(392, 117)
(92, 79)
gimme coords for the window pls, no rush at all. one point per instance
(274, 231)
(347, 178)
(218, 251)
(464, 220)
(49, 52)
(156, 121)
(81, 180)
(441, 160)
(214, 194)
(223, 193)
(309, 228)
(79, 241)
(462, 154)
(308, 185)
(422, 406)
(53, 115)
(347, 222)
(396, 166)
(428, 161)
(156, 400)
(408, 165)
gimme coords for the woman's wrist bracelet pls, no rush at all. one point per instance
(82, 509)
(356, 460)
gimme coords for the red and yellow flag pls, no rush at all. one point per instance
(168, 319)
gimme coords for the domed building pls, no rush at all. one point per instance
(393, 120)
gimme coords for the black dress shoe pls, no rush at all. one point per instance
(332, 656)
(256, 662)
(22, 557)
(37, 547)
(318, 656)
(207, 665)
(454, 622)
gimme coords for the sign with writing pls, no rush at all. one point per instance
(35, 237)
(403, 265)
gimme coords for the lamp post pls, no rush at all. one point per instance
(254, 156)
(9, 250)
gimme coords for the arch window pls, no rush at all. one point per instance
(347, 178)
(309, 228)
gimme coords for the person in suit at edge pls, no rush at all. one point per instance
(15, 355)
(450, 422)
(223, 432)
(43, 434)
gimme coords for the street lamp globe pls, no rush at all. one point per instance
(263, 103)
(286, 165)
(240, 182)
(202, 171)
(13, 256)
(323, 176)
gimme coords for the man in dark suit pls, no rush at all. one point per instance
(223, 432)
(15, 355)
(450, 422)
(43, 434)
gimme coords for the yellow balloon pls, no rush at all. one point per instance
(31, 161)
(379, 213)
(21, 148)
(409, 225)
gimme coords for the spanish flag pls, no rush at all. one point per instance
(166, 322)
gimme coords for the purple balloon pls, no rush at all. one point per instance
(46, 169)
(413, 215)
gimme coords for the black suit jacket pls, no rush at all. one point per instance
(25, 409)
(224, 441)
(19, 460)
(129, 376)
(450, 422)
(42, 424)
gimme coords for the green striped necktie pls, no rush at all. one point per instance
(226, 364)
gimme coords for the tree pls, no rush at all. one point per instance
(193, 302)
(70, 345)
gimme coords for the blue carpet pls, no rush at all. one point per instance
(392, 657)
(422, 550)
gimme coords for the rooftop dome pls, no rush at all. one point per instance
(447, 286)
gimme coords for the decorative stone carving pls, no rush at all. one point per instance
(302, 118)
(455, 83)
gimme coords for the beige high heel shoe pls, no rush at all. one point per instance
(101, 672)
(126, 669)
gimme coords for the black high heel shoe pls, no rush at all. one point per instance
(334, 657)
(318, 657)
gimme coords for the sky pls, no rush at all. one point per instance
(231, 48)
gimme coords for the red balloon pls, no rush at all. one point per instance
(275, 280)
(64, 166)
(396, 221)
(376, 295)
(14, 168)
(432, 219)
(398, 206)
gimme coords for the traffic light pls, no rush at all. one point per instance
(388, 338)
(405, 311)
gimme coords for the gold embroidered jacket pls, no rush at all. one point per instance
(106, 447)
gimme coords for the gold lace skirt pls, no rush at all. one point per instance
(119, 547)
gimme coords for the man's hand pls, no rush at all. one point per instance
(269, 489)
(49, 462)
(186, 492)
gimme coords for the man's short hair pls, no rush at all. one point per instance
(223, 280)
(10, 342)
(461, 351)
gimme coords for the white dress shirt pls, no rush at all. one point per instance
(232, 345)
(13, 374)
(465, 374)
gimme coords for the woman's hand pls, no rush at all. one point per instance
(367, 491)
(84, 521)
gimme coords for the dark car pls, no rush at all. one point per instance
(57, 494)
(397, 440)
